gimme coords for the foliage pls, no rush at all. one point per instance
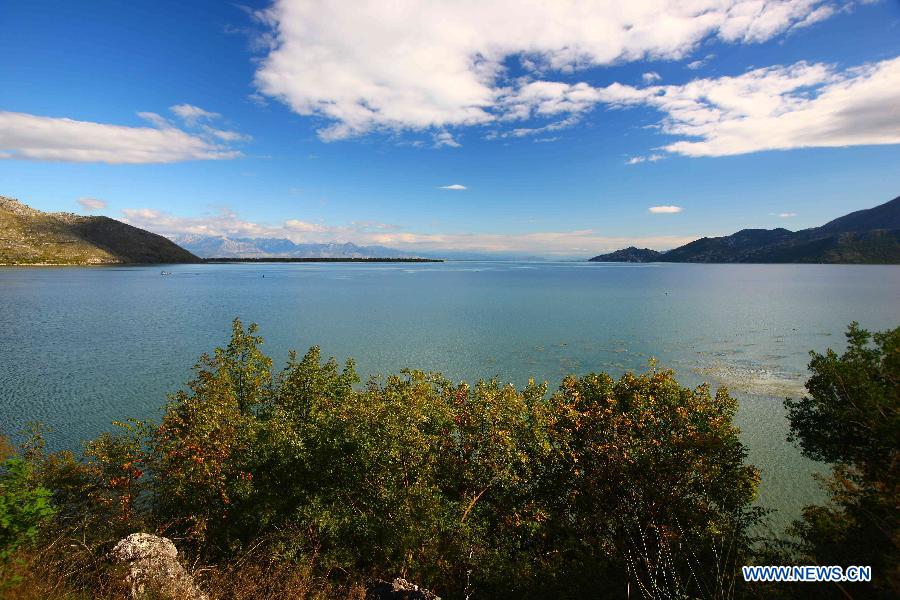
(481, 490)
(202, 451)
(24, 505)
(657, 479)
(851, 418)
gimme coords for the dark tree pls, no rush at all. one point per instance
(851, 418)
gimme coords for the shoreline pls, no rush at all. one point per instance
(231, 260)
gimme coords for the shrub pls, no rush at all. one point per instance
(24, 506)
(471, 490)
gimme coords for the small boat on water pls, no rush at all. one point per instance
(165, 272)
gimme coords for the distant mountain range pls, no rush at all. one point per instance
(29, 236)
(870, 236)
(209, 246)
(206, 246)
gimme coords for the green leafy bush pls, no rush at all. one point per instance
(24, 506)
(479, 490)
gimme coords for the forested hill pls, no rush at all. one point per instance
(29, 236)
(870, 236)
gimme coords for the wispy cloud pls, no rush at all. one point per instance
(454, 187)
(651, 77)
(225, 222)
(787, 215)
(258, 99)
(445, 138)
(226, 136)
(819, 14)
(156, 119)
(697, 64)
(665, 210)
(522, 132)
(34, 137)
(90, 204)
(634, 160)
(192, 114)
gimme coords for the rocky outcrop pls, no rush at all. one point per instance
(154, 570)
(399, 589)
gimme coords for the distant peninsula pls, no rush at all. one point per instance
(630, 254)
(870, 236)
(33, 237)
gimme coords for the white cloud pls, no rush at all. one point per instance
(445, 138)
(757, 21)
(226, 136)
(157, 120)
(787, 215)
(665, 210)
(584, 242)
(454, 187)
(548, 98)
(191, 114)
(226, 222)
(779, 108)
(651, 77)
(639, 159)
(33, 137)
(90, 204)
(370, 65)
(802, 105)
(819, 14)
(258, 99)
(521, 132)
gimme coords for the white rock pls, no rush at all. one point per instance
(154, 568)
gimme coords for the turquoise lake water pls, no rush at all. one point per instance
(81, 347)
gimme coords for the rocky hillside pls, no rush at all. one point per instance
(29, 237)
(870, 236)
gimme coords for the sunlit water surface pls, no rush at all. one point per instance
(81, 347)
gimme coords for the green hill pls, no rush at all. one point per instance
(31, 237)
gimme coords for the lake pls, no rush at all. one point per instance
(81, 347)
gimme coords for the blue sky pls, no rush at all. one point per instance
(565, 123)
